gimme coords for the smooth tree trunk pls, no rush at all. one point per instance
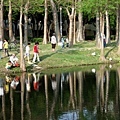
(45, 38)
(71, 16)
(11, 36)
(102, 57)
(117, 15)
(55, 18)
(98, 41)
(22, 61)
(118, 30)
(74, 25)
(107, 28)
(1, 20)
(26, 23)
(80, 35)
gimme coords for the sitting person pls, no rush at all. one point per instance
(8, 65)
(14, 60)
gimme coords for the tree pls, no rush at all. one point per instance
(26, 22)
(55, 18)
(11, 36)
(71, 16)
(1, 20)
(45, 24)
(22, 60)
(80, 23)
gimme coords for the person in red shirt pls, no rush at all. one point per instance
(36, 52)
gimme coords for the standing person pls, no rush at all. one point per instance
(1, 47)
(53, 42)
(36, 52)
(5, 46)
(27, 52)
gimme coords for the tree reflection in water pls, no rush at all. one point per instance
(58, 96)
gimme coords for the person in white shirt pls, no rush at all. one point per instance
(14, 60)
(53, 42)
(27, 52)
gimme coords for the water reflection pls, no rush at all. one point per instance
(73, 95)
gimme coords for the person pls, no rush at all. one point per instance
(103, 38)
(14, 60)
(63, 42)
(36, 52)
(5, 46)
(15, 82)
(53, 81)
(67, 42)
(53, 42)
(8, 65)
(1, 47)
(27, 52)
(36, 83)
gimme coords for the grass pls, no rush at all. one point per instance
(78, 55)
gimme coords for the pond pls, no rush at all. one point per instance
(71, 95)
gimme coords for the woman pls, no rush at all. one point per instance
(53, 42)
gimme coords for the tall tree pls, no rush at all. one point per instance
(45, 38)
(1, 20)
(26, 22)
(55, 18)
(11, 36)
(22, 60)
(71, 16)
(79, 36)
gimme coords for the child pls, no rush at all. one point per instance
(8, 65)
(27, 52)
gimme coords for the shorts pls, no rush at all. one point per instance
(53, 46)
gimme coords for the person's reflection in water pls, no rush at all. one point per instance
(1, 87)
(8, 81)
(28, 83)
(36, 83)
(15, 82)
(53, 81)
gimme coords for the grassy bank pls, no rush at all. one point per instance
(78, 55)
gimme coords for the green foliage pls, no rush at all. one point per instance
(36, 40)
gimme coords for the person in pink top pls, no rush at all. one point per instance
(36, 52)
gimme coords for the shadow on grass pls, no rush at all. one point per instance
(109, 51)
(46, 56)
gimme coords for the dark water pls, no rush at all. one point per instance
(76, 95)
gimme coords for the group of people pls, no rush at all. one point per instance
(13, 60)
(64, 42)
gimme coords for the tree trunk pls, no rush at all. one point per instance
(22, 61)
(74, 25)
(26, 23)
(117, 15)
(45, 40)
(1, 21)
(71, 16)
(11, 37)
(118, 30)
(107, 28)
(98, 30)
(55, 17)
(80, 26)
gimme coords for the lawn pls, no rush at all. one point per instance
(79, 54)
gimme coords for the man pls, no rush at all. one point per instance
(36, 52)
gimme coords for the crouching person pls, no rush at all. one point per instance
(8, 65)
(14, 61)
